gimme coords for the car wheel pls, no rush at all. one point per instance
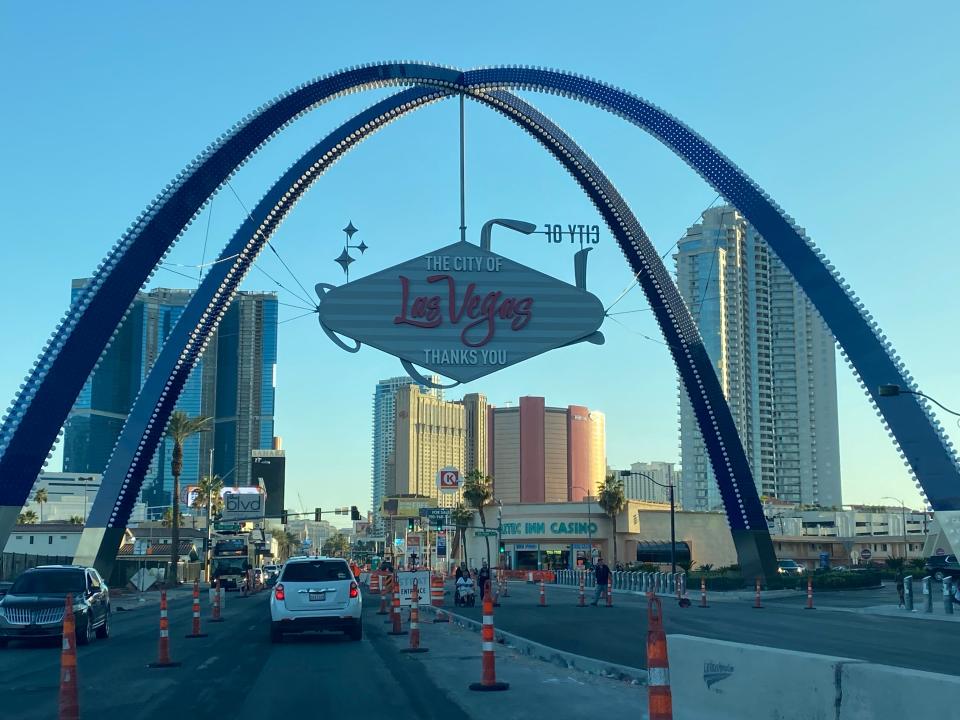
(276, 634)
(103, 632)
(356, 632)
(938, 576)
(85, 635)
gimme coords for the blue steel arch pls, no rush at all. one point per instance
(73, 350)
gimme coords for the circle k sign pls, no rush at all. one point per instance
(448, 479)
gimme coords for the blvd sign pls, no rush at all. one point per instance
(242, 506)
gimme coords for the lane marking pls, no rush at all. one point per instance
(252, 627)
(207, 663)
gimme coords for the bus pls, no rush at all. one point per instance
(232, 557)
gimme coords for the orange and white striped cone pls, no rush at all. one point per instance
(809, 594)
(582, 602)
(163, 655)
(703, 593)
(543, 595)
(436, 600)
(660, 700)
(69, 701)
(496, 592)
(385, 596)
(506, 584)
(756, 598)
(415, 622)
(396, 619)
(610, 591)
(488, 674)
(216, 602)
(196, 612)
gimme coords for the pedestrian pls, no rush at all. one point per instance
(459, 572)
(482, 579)
(602, 575)
(900, 591)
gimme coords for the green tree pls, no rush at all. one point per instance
(896, 564)
(207, 488)
(27, 518)
(287, 542)
(179, 430)
(478, 492)
(167, 519)
(75, 520)
(40, 497)
(336, 546)
(612, 499)
(461, 516)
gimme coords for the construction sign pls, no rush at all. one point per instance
(405, 580)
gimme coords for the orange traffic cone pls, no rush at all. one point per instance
(395, 618)
(195, 633)
(703, 592)
(216, 602)
(384, 596)
(658, 666)
(69, 701)
(610, 591)
(163, 656)
(583, 596)
(415, 622)
(809, 594)
(543, 595)
(488, 675)
(756, 598)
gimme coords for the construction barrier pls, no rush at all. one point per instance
(69, 701)
(195, 633)
(660, 700)
(543, 596)
(374, 584)
(415, 622)
(809, 594)
(436, 591)
(163, 649)
(488, 675)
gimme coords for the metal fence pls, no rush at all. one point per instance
(12, 564)
(660, 583)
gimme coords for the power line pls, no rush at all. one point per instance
(297, 317)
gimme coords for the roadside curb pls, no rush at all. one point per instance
(560, 658)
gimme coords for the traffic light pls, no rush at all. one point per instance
(283, 517)
(410, 527)
(354, 513)
(316, 515)
(503, 549)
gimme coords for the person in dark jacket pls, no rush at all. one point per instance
(602, 575)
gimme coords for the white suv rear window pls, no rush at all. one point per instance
(316, 571)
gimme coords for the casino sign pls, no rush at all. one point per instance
(462, 311)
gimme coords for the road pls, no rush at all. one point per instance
(235, 672)
(618, 634)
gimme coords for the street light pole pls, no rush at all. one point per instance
(673, 513)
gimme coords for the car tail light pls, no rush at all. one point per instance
(278, 592)
(354, 590)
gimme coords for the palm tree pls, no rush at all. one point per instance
(167, 519)
(478, 492)
(180, 429)
(75, 520)
(336, 546)
(27, 518)
(40, 497)
(461, 516)
(613, 501)
(286, 542)
(207, 488)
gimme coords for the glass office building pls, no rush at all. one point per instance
(233, 383)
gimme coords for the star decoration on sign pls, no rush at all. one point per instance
(345, 258)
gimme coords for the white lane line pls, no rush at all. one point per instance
(252, 627)
(207, 663)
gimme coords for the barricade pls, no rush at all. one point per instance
(414, 622)
(756, 598)
(583, 595)
(217, 590)
(436, 591)
(488, 676)
(163, 654)
(195, 633)
(374, 584)
(386, 586)
(69, 701)
(660, 700)
(395, 617)
(610, 591)
(543, 596)
(809, 605)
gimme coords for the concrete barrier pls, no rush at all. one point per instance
(880, 691)
(734, 681)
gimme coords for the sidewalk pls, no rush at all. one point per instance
(917, 614)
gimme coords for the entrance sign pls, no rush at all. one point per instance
(448, 479)
(462, 311)
(405, 580)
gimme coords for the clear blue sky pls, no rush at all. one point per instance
(847, 113)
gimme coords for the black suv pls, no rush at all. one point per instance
(33, 606)
(941, 566)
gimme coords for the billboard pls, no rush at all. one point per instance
(406, 507)
(239, 506)
(448, 479)
(269, 472)
(462, 311)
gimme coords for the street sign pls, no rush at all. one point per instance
(484, 533)
(405, 583)
(227, 527)
(865, 554)
(436, 515)
(448, 479)
(941, 552)
(307, 542)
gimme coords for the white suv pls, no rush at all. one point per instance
(315, 593)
